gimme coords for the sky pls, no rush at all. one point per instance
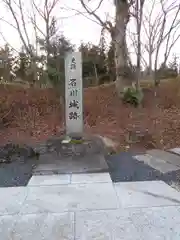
(76, 27)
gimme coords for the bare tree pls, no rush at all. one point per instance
(133, 45)
(43, 14)
(160, 29)
(17, 12)
(137, 13)
(46, 12)
(160, 22)
(118, 34)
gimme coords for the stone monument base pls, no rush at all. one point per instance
(84, 154)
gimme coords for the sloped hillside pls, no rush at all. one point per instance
(29, 115)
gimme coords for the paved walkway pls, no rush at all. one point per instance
(137, 205)
(89, 206)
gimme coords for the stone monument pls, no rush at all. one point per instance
(76, 152)
(73, 93)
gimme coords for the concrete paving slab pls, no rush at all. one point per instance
(158, 223)
(128, 224)
(175, 150)
(166, 156)
(151, 223)
(157, 163)
(50, 180)
(44, 227)
(146, 194)
(11, 199)
(91, 178)
(49, 164)
(6, 225)
(105, 225)
(73, 197)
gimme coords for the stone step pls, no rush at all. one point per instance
(52, 164)
(166, 156)
(156, 163)
(175, 151)
(62, 179)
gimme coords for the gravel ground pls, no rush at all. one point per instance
(16, 173)
(124, 168)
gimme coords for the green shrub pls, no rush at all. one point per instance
(132, 96)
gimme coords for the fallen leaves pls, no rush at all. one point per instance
(36, 115)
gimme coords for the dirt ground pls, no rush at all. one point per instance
(33, 115)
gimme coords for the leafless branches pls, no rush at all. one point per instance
(105, 24)
(12, 5)
(20, 16)
(161, 30)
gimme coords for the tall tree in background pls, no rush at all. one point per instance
(22, 17)
(118, 35)
(57, 48)
(111, 63)
(94, 63)
(6, 63)
(138, 14)
(160, 32)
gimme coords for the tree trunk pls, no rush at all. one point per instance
(96, 74)
(138, 61)
(156, 80)
(139, 15)
(120, 45)
(150, 66)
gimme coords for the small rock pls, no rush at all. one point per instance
(41, 148)
(4, 160)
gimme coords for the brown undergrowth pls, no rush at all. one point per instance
(29, 115)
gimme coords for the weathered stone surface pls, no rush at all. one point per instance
(52, 157)
(44, 227)
(72, 197)
(175, 150)
(49, 180)
(166, 156)
(146, 194)
(11, 199)
(51, 163)
(91, 178)
(6, 225)
(129, 224)
(37, 227)
(157, 163)
(89, 145)
(106, 225)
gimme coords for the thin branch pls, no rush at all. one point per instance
(9, 5)
(23, 22)
(5, 40)
(10, 24)
(54, 3)
(169, 47)
(37, 9)
(81, 13)
(93, 12)
(33, 19)
(35, 24)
